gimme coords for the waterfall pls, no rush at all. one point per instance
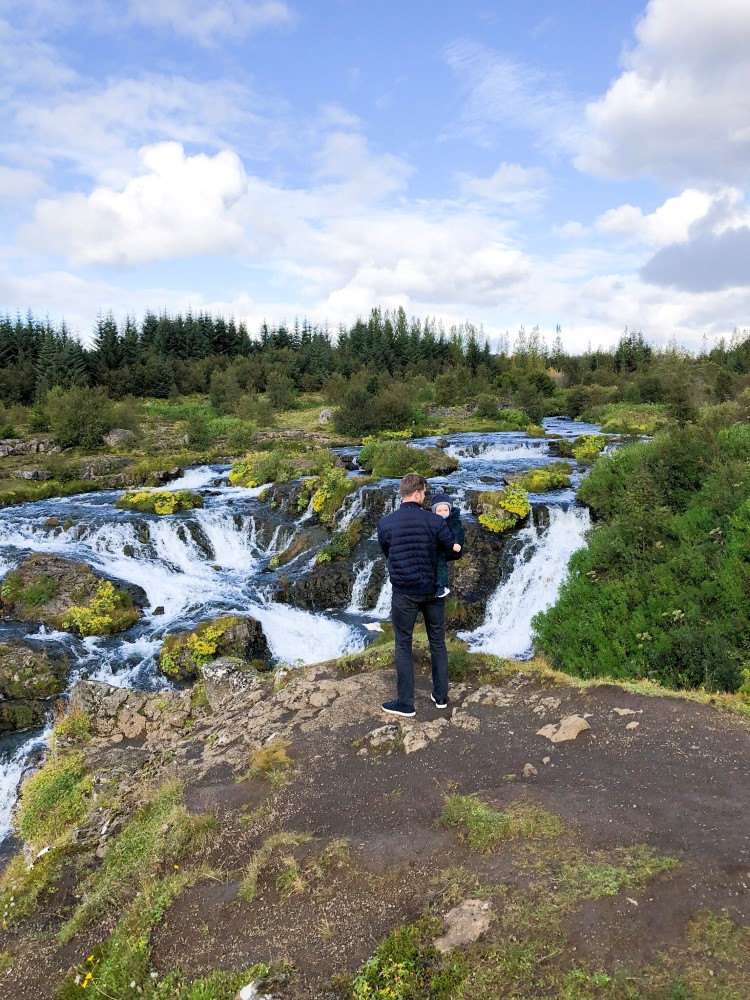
(364, 572)
(234, 547)
(195, 478)
(12, 770)
(500, 451)
(383, 608)
(352, 508)
(533, 585)
(297, 636)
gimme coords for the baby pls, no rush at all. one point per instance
(443, 506)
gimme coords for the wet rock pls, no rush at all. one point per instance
(329, 585)
(120, 437)
(302, 541)
(442, 442)
(465, 924)
(29, 673)
(21, 714)
(45, 587)
(52, 522)
(158, 611)
(182, 655)
(475, 578)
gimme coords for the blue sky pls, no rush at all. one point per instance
(584, 165)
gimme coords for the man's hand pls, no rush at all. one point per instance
(456, 547)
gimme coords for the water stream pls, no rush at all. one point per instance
(204, 563)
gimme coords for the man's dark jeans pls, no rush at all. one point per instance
(404, 611)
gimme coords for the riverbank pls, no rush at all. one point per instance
(610, 865)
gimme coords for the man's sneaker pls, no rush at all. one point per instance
(442, 592)
(439, 703)
(396, 708)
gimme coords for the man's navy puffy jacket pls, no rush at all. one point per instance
(410, 538)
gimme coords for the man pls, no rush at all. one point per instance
(410, 538)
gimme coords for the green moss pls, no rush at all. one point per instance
(75, 726)
(216, 986)
(330, 490)
(342, 543)
(587, 449)
(502, 510)
(182, 656)
(110, 611)
(393, 459)
(160, 501)
(30, 595)
(283, 462)
(548, 477)
(159, 834)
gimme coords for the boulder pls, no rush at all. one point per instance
(328, 585)
(46, 588)
(465, 924)
(326, 416)
(33, 475)
(182, 656)
(28, 673)
(120, 438)
(103, 465)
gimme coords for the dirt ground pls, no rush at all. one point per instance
(678, 783)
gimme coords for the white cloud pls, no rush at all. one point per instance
(177, 208)
(207, 20)
(680, 110)
(511, 184)
(670, 223)
(502, 92)
(346, 160)
(18, 186)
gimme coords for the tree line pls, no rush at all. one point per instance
(165, 354)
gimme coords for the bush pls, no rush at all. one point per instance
(393, 459)
(487, 407)
(279, 465)
(80, 416)
(198, 430)
(663, 590)
(110, 611)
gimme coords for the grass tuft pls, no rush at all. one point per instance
(271, 763)
(263, 855)
(484, 829)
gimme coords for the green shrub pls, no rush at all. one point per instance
(110, 611)
(393, 459)
(80, 416)
(330, 491)
(279, 465)
(586, 449)
(663, 590)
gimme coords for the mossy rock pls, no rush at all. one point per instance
(160, 502)
(393, 459)
(547, 477)
(28, 673)
(70, 596)
(182, 656)
(502, 510)
(21, 714)
(279, 464)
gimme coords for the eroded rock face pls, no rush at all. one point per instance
(329, 585)
(120, 438)
(228, 680)
(21, 714)
(45, 587)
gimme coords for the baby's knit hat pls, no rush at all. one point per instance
(441, 498)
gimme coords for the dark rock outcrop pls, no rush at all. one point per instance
(29, 673)
(182, 656)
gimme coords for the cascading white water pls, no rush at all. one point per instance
(195, 478)
(364, 572)
(383, 608)
(503, 451)
(533, 585)
(352, 508)
(297, 636)
(12, 771)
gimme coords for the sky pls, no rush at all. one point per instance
(584, 165)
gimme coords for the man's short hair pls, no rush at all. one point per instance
(411, 483)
